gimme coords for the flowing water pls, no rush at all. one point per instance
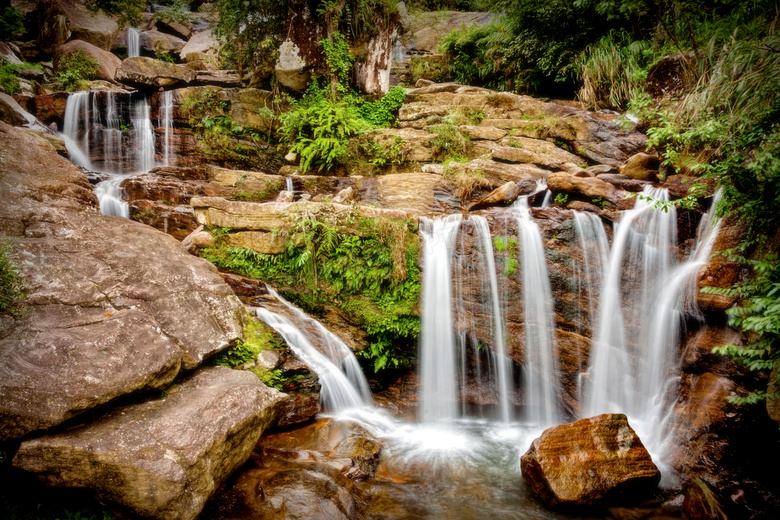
(133, 42)
(110, 133)
(166, 123)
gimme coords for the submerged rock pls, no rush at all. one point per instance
(590, 462)
(162, 458)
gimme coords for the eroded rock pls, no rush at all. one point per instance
(589, 462)
(165, 457)
(143, 72)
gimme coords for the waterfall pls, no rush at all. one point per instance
(343, 384)
(503, 364)
(438, 363)
(133, 42)
(540, 369)
(111, 133)
(166, 123)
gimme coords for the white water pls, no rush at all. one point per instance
(133, 42)
(541, 367)
(437, 357)
(503, 364)
(109, 137)
(166, 123)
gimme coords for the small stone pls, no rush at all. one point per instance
(285, 196)
(436, 169)
(344, 196)
(641, 166)
(291, 158)
(268, 360)
(424, 83)
(202, 239)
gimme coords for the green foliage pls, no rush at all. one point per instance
(249, 31)
(477, 55)
(370, 272)
(130, 12)
(449, 142)
(166, 57)
(175, 11)
(12, 288)
(428, 67)
(466, 181)
(11, 24)
(383, 112)
(74, 69)
(759, 316)
(257, 337)
(338, 59)
(507, 247)
(562, 199)
(9, 79)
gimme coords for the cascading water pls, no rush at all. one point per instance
(166, 123)
(540, 369)
(438, 362)
(343, 384)
(111, 133)
(133, 42)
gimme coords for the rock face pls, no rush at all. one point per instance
(589, 462)
(64, 20)
(148, 73)
(157, 42)
(165, 457)
(108, 62)
(114, 307)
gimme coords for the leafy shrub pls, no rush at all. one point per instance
(74, 69)
(12, 287)
(257, 337)
(449, 142)
(11, 24)
(383, 112)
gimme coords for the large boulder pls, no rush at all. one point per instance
(591, 187)
(148, 73)
(201, 48)
(113, 306)
(63, 20)
(108, 62)
(588, 463)
(165, 457)
(156, 42)
(641, 166)
(12, 112)
(536, 151)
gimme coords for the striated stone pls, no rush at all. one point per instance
(591, 187)
(64, 20)
(535, 151)
(115, 306)
(143, 72)
(165, 457)
(271, 216)
(10, 52)
(590, 462)
(412, 193)
(156, 42)
(599, 169)
(259, 241)
(220, 78)
(641, 166)
(11, 112)
(702, 502)
(107, 61)
(505, 194)
(487, 133)
(621, 181)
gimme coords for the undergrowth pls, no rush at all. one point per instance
(74, 69)
(12, 286)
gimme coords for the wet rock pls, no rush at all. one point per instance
(590, 462)
(680, 185)
(506, 194)
(721, 271)
(11, 53)
(156, 42)
(641, 166)
(363, 449)
(104, 321)
(143, 72)
(299, 409)
(702, 502)
(107, 61)
(63, 20)
(162, 458)
(591, 187)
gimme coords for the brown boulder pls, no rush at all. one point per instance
(199, 46)
(165, 457)
(590, 462)
(64, 20)
(504, 194)
(115, 307)
(591, 187)
(156, 42)
(641, 166)
(11, 112)
(107, 61)
(148, 73)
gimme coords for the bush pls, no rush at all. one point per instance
(11, 24)
(74, 69)
(12, 287)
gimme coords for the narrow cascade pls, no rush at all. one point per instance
(166, 123)
(438, 361)
(638, 265)
(502, 362)
(343, 384)
(595, 253)
(289, 184)
(111, 133)
(133, 42)
(541, 366)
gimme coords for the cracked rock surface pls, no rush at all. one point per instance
(113, 306)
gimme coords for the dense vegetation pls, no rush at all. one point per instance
(12, 288)
(367, 267)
